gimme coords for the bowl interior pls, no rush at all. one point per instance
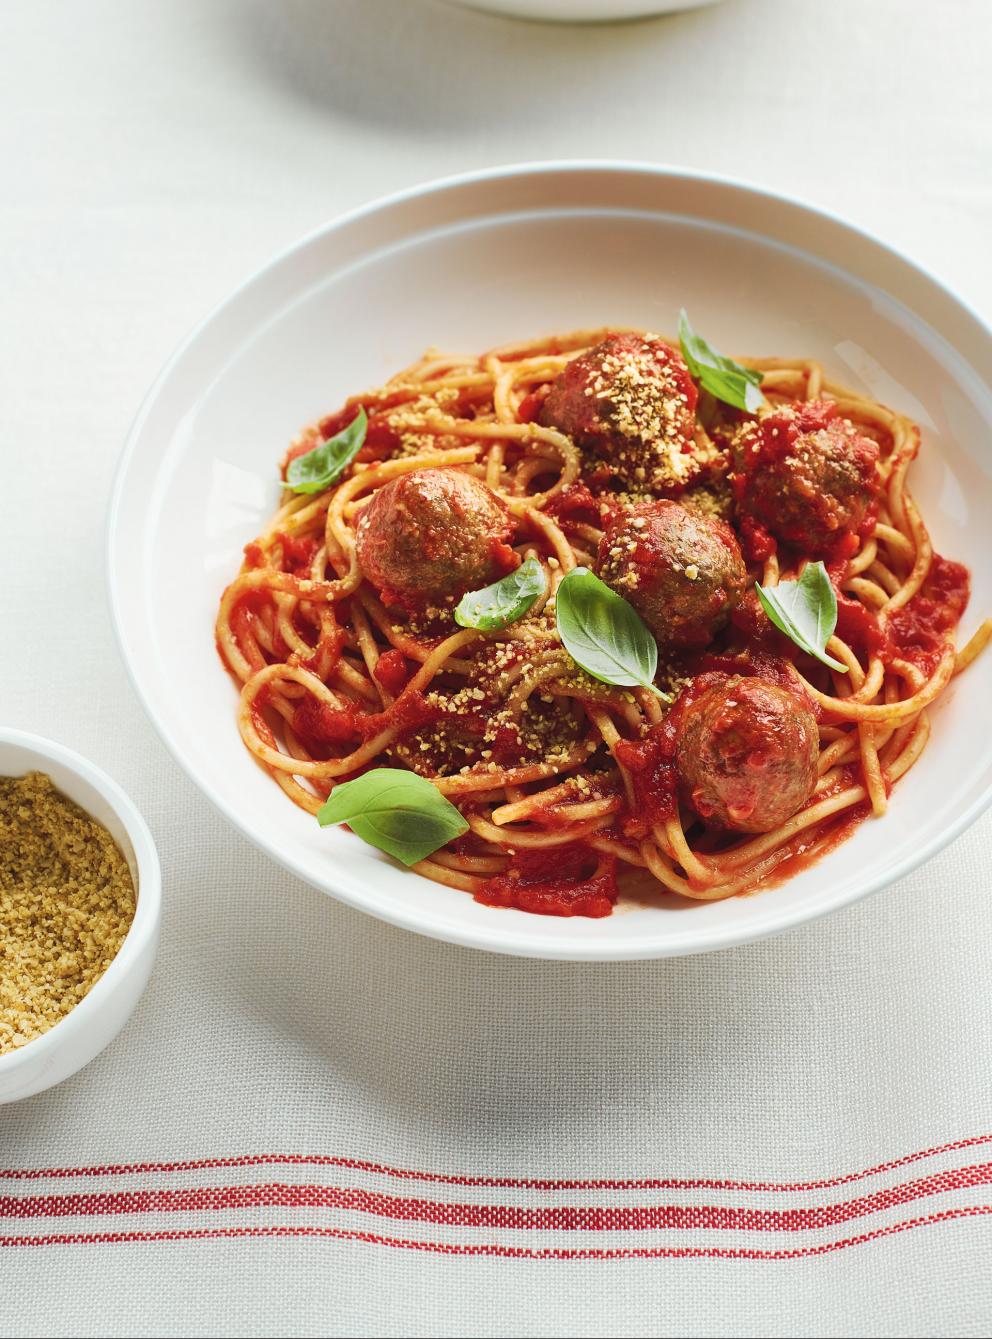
(18, 759)
(466, 271)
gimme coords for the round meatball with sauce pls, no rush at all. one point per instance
(630, 403)
(806, 477)
(429, 536)
(680, 569)
(746, 753)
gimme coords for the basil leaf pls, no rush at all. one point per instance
(317, 470)
(728, 381)
(396, 811)
(805, 610)
(604, 634)
(502, 603)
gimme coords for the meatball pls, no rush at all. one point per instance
(680, 569)
(746, 753)
(630, 402)
(429, 536)
(807, 477)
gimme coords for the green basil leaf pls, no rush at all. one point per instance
(502, 603)
(318, 469)
(604, 634)
(396, 811)
(806, 611)
(728, 381)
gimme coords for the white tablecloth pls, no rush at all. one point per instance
(316, 1124)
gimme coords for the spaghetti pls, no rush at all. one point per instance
(339, 627)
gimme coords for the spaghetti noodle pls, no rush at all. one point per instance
(564, 779)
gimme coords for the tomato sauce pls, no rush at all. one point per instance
(382, 441)
(530, 405)
(319, 725)
(298, 554)
(918, 632)
(810, 846)
(555, 881)
(507, 746)
(574, 505)
(393, 671)
(756, 543)
(246, 611)
(651, 764)
(859, 627)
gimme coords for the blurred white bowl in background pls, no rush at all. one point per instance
(582, 11)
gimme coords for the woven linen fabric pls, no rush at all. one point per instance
(316, 1124)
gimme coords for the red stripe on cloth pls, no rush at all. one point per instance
(557, 1218)
(494, 1249)
(459, 1179)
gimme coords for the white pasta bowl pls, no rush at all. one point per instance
(96, 1020)
(474, 262)
(582, 11)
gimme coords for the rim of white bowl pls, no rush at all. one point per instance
(149, 891)
(642, 9)
(422, 922)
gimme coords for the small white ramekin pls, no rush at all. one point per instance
(97, 1019)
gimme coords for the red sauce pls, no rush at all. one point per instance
(334, 423)
(502, 557)
(651, 763)
(918, 632)
(757, 544)
(530, 405)
(858, 626)
(507, 746)
(243, 616)
(382, 441)
(320, 725)
(555, 881)
(393, 671)
(410, 712)
(326, 653)
(811, 845)
(297, 554)
(575, 504)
